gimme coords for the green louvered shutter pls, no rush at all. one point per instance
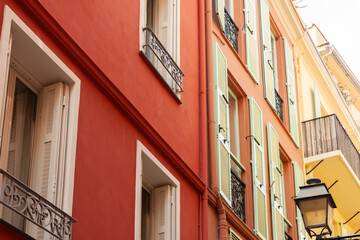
(251, 39)
(222, 123)
(291, 89)
(258, 169)
(299, 181)
(276, 183)
(267, 61)
(220, 11)
(317, 107)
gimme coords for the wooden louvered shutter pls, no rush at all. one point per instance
(276, 183)
(291, 90)
(233, 235)
(299, 181)
(317, 107)
(220, 6)
(258, 169)
(251, 39)
(222, 123)
(267, 61)
(49, 152)
(163, 212)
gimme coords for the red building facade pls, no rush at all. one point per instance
(108, 113)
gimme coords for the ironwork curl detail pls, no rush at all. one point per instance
(32, 206)
(231, 31)
(238, 196)
(154, 44)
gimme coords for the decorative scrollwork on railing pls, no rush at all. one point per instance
(29, 204)
(154, 44)
(231, 31)
(279, 105)
(238, 196)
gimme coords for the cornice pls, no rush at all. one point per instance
(40, 15)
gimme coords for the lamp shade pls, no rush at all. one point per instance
(316, 206)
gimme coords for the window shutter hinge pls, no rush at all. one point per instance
(63, 101)
(54, 185)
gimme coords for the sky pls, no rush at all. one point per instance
(339, 21)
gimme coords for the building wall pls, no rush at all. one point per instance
(122, 100)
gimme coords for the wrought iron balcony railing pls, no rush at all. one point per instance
(154, 44)
(327, 134)
(21, 199)
(231, 31)
(238, 196)
(279, 105)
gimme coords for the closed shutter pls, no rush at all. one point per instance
(258, 169)
(276, 183)
(317, 108)
(251, 39)
(220, 6)
(291, 90)
(222, 122)
(163, 210)
(51, 123)
(233, 235)
(299, 181)
(266, 48)
(164, 30)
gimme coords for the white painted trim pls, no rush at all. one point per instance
(140, 150)
(10, 18)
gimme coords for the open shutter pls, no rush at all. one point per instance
(291, 90)
(162, 212)
(267, 61)
(258, 169)
(222, 122)
(276, 184)
(299, 181)
(317, 107)
(220, 6)
(50, 119)
(251, 39)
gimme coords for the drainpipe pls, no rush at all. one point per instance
(222, 224)
(203, 123)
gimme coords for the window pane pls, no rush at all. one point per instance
(145, 215)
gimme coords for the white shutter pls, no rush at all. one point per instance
(51, 122)
(317, 107)
(299, 181)
(163, 211)
(291, 89)
(258, 169)
(220, 11)
(267, 61)
(222, 123)
(251, 39)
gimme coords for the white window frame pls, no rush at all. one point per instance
(141, 150)
(10, 22)
(176, 31)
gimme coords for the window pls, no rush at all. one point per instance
(157, 200)
(160, 39)
(39, 102)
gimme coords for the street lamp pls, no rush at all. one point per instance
(316, 206)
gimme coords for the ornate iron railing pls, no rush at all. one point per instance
(231, 31)
(279, 105)
(154, 44)
(238, 196)
(29, 204)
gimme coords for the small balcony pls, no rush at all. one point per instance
(279, 105)
(19, 198)
(231, 31)
(173, 71)
(238, 196)
(327, 134)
